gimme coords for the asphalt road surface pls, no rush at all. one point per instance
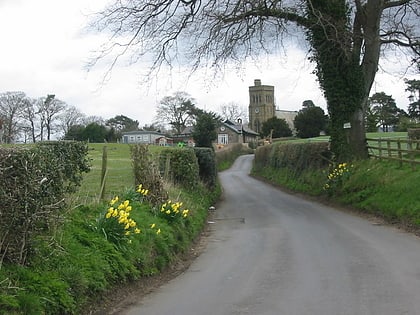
(273, 253)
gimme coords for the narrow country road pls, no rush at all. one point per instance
(271, 253)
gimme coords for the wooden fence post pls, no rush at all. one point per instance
(104, 172)
(399, 152)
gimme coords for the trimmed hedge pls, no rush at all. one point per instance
(294, 156)
(180, 165)
(34, 183)
(206, 159)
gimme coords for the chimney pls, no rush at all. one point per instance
(257, 82)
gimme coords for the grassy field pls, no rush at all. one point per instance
(119, 171)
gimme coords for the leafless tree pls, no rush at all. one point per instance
(49, 110)
(12, 105)
(93, 119)
(233, 111)
(346, 40)
(177, 110)
(70, 116)
(31, 120)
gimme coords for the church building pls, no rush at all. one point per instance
(262, 107)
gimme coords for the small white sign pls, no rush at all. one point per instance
(347, 125)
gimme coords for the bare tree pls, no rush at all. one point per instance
(12, 105)
(49, 110)
(346, 40)
(70, 116)
(233, 111)
(177, 110)
(93, 119)
(31, 119)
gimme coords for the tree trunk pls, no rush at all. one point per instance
(344, 77)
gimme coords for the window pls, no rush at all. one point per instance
(223, 138)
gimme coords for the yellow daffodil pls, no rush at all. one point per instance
(137, 231)
(152, 226)
(114, 200)
(158, 231)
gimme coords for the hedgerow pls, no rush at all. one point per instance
(35, 182)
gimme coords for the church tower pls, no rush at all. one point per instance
(261, 105)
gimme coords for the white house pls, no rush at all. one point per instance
(142, 136)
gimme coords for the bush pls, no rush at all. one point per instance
(207, 166)
(297, 157)
(180, 166)
(34, 184)
(146, 173)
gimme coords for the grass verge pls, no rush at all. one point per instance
(381, 188)
(79, 263)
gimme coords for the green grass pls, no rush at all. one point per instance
(119, 171)
(379, 187)
(75, 265)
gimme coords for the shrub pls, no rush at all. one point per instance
(34, 184)
(180, 166)
(207, 166)
(146, 172)
(297, 157)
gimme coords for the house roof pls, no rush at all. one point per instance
(141, 132)
(237, 128)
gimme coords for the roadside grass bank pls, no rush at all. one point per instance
(375, 187)
(225, 156)
(96, 249)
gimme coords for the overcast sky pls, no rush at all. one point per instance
(45, 51)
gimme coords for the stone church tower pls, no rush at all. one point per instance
(261, 105)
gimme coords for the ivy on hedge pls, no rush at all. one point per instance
(294, 156)
(34, 183)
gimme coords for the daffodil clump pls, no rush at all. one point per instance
(142, 191)
(173, 211)
(116, 224)
(336, 177)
